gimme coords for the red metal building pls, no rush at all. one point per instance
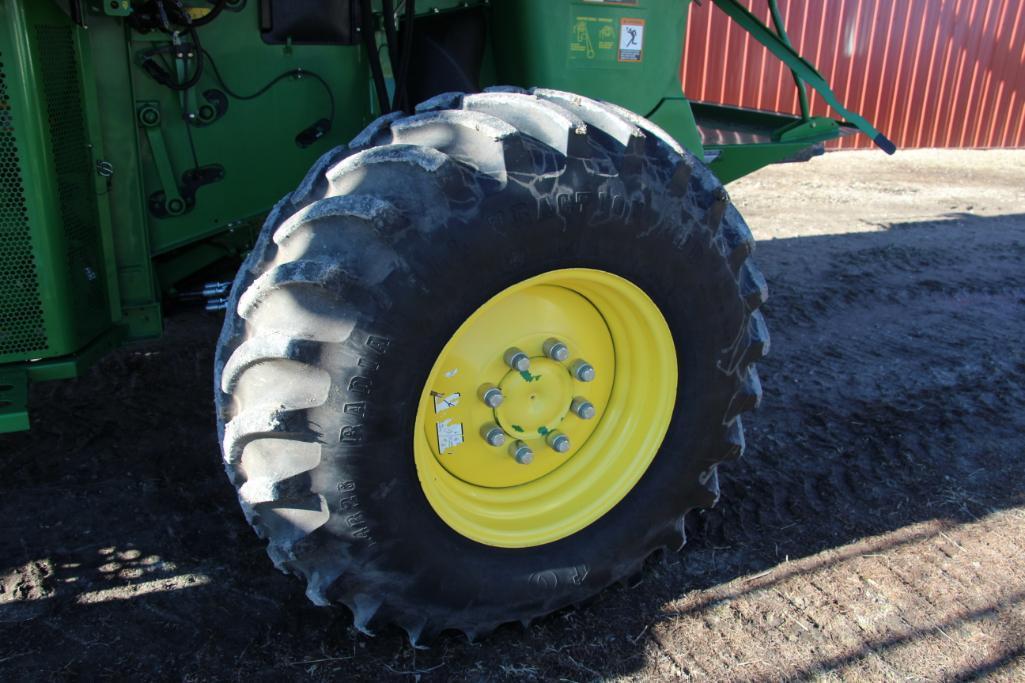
(928, 73)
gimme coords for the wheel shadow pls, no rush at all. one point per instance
(893, 401)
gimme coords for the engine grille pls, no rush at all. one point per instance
(22, 328)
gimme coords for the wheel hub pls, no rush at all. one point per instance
(545, 407)
(536, 401)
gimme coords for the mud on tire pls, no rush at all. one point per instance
(361, 275)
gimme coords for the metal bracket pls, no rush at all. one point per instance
(801, 69)
(13, 401)
(149, 117)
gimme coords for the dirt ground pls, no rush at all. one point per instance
(875, 529)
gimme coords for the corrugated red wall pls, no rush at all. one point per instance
(928, 73)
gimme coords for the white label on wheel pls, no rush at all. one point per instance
(442, 403)
(450, 435)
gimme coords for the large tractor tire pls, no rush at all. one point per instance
(484, 359)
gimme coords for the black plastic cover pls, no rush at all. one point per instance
(310, 22)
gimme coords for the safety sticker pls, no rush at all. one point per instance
(631, 40)
(442, 402)
(592, 41)
(450, 435)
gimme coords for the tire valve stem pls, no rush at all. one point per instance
(555, 349)
(516, 359)
(557, 441)
(582, 408)
(493, 434)
(521, 452)
(582, 370)
(491, 395)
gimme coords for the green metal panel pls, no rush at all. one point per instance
(575, 45)
(22, 329)
(254, 142)
(85, 256)
(65, 279)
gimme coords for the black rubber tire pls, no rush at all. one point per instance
(364, 272)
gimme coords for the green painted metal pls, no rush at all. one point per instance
(779, 46)
(55, 293)
(98, 222)
(13, 400)
(676, 116)
(781, 31)
(574, 45)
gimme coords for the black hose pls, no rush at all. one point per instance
(295, 73)
(401, 79)
(367, 10)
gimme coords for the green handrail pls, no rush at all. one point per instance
(779, 46)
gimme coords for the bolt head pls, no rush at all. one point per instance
(558, 442)
(583, 371)
(583, 408)
(516, 359)
(493, 435)
(521, 452)
(556, 350)
(492, 397)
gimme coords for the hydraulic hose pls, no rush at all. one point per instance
(367, 10)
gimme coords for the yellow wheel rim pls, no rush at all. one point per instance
(480, 490)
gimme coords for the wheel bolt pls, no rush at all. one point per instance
(493, 434)
(491, 395)
(516, 359)
(557, 441)
(521, 452)
(583, 408)
(582, 370)
(556, 350)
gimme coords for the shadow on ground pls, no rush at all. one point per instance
(894, 397)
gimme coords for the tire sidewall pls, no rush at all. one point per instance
(641, 230)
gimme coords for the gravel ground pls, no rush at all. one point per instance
(875, 529)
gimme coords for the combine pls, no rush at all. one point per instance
(496, 321)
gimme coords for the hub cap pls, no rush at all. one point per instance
(580, 466)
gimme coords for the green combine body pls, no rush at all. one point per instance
(494, 323)
(117, 188)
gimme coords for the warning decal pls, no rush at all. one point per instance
(442, 402)
(631, 40)
(592, 41)
(450, 435)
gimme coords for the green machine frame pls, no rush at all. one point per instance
(117, 189)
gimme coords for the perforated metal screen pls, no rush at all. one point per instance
(21, 314)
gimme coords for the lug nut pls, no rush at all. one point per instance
(521, 452)
(557, 441)
(582, 370)
(556, 350)
(493, 434)
(516, 359)
(583, 408)
(491, 395)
